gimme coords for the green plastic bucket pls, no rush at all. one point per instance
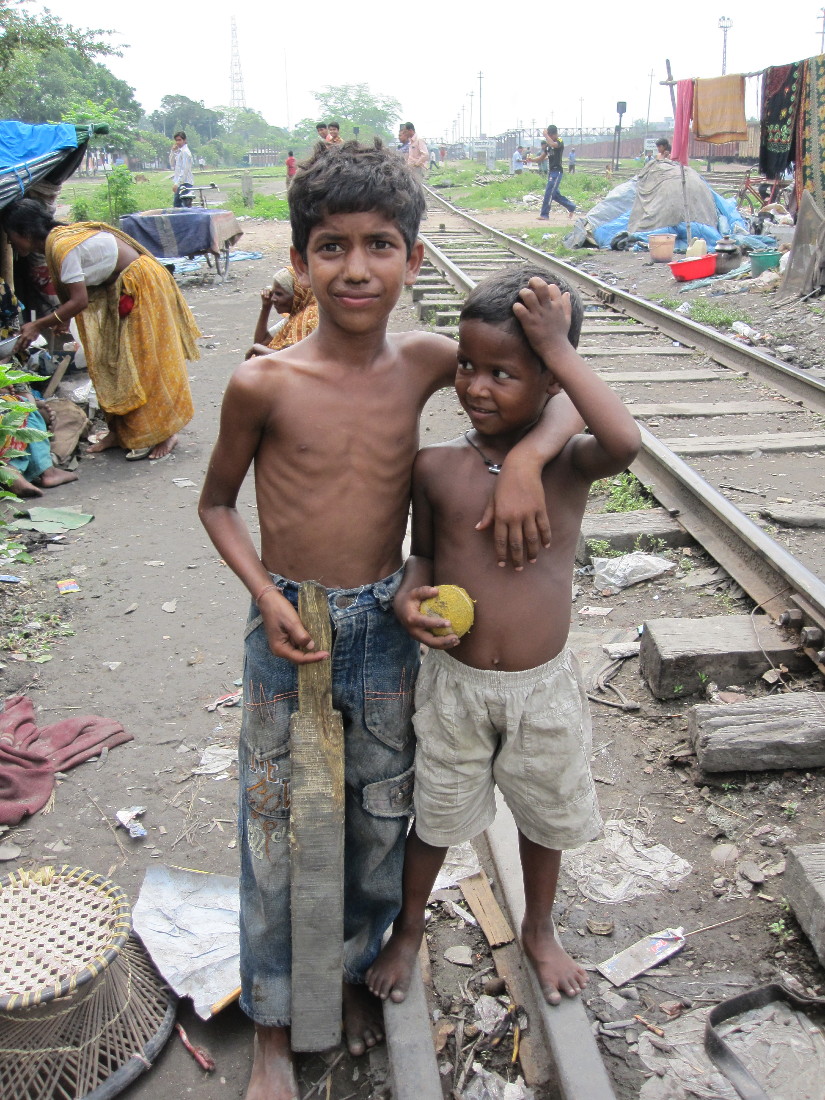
(763, 261)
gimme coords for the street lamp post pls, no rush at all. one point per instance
(621, 108)
(725, 25)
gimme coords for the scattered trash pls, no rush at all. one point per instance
(621, 651)
(215, 760)
(184, 483)
(58, 846)
(189, 924)
(112, 665)
(50, 520)
(741, 329)
(8, 578)
(642, 955)
(67, 585)
(200, 1054)
(595, 611)
(461, 862)
(489, 1013)
(461, 955)
(132, 607)
(231, 699)
(9, 851)
(628, 569)
(170, 607)
(128, 818)
(158, 563)
(487, 1085)
(624, 864)
(600, 927)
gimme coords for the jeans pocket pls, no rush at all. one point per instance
(390, 671)
(390, 797)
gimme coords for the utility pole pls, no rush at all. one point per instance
(581, 120)
(649, 97)
(822, 39)
(480, 78)
(725, 25)
(471, 94)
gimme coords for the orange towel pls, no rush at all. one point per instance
(719, 110)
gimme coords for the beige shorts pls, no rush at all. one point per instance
(526, 732)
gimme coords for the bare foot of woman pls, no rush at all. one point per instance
(273, 1071)
(105, 443)
(556, 971)
(22, 488)
(55, 476)
(164, 448)
(363, 1019)
(389, 976)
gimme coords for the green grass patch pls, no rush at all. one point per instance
(263, 206)
(716, 316)
(551, 240)
(625, 493)
(585, 189)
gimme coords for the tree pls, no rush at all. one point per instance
(39, 85)
(178, 112)
(354, 105)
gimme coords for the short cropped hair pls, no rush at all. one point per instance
(321, 126)
(552, 130)
(663, 143)
(337, 125)
(492, 300)
(354, 179)
(407, 126)
(179, 134)
(30, 219)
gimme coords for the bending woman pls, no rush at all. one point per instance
(135, 327)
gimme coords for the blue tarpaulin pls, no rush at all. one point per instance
(21, 142)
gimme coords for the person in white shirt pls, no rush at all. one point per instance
(517, 161)
(183, 178)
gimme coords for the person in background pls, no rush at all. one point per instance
(323, 131)
(541, 159)
(442, 153)
(517, 161)
(335, 134)
(571, 162)
(287, 297)
(136, 329)
(662, 149)
(553, 156)
(416, 150)
(31, 461)
(183, 176)
(291, 167)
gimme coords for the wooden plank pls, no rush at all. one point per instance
(804, 887)
(802, 514)
(610, 330)
(653, 377)
(316, 841)
(57, 377)
(669, 350)
(486, 910)
(747, 444)
(784, 731)
(711, 408)
(535, 1063)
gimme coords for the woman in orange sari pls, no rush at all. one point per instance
(300, 307)
(136, 329)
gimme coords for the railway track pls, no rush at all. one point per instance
(724, 426)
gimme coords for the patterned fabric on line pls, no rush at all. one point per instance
(781, 87)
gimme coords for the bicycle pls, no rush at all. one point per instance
(756, 192)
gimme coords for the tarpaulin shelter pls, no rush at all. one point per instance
(805, 273)
(34, 154)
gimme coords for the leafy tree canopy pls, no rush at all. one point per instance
(21, 30)
(38, 84)
(354, 105)
(178, 112)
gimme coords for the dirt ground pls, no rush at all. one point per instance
(157, 669)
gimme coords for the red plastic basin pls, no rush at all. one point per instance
(700, 268)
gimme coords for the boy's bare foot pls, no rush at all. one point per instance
(273, 1071)
(363, 1019)
(22, 488)
(105, 443)
(55, 476)
(164, 448)
(556, 971)
(389, 976)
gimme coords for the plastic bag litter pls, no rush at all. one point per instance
(487, 1085)
(776, 1044)
(489, 1013)
(461, 862)
(624, 864)
(628, 569)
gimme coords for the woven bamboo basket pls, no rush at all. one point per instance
(82, 1010)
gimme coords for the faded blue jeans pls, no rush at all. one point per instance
(552, 192)
(374, 669)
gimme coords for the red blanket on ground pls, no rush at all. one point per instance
(30, 755)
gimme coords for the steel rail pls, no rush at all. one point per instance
(772, 577)
(791, 381)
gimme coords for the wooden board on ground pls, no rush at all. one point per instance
(712, 408)
(747, 444)
(654, 377)
(486, 910)
(626, 531)
(669, 350)
(535, 1063)
(784, 731)
(802, 514)
(316, 841)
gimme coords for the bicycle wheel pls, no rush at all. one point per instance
(222, 261)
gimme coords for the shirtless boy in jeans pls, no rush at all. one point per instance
(505, 706)
(331, 425)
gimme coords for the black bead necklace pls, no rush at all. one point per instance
(493, 467)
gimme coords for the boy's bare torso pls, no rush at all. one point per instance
(334, 457)
(522, 619)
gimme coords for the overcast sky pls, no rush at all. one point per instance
(539, 62)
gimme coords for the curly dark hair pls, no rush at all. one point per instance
(492, 300)
(354, 179)
(29, 218)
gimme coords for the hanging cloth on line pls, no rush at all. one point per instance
(719, 109)
(681, 127)
(781, 88)
(810, 131)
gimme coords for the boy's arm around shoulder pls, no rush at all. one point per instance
(245, 415)
(417, 584)
(544, 314)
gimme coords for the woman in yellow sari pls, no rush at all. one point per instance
(136, 329)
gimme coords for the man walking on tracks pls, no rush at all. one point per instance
(553, 154)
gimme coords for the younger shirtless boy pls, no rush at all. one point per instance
(331, 426)
(506, 706)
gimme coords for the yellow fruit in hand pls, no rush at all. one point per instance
(451, 603)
